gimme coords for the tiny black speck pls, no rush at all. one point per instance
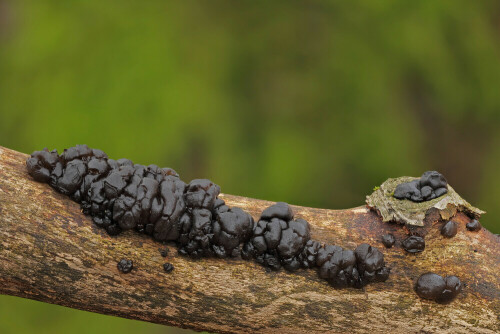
(168, 267)
(163, 251)
(125, 266)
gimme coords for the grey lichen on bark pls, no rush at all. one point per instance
(412, 213)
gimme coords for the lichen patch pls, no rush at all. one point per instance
(412, 213)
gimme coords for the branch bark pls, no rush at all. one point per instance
(51, 252)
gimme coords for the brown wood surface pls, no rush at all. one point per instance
(49, 251)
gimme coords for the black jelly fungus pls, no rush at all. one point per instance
(168, 267)
(307, 257)
(449, 229)
(231, 227)
(278, 239)
(120, 195)
(435, 287)
(430, 185)
(413, 244)
(388, 240)
(474, 225)
(125, 266)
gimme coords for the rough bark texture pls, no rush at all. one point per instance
(49, 251)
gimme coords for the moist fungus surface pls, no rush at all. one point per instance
(474, 225)
(435, 287)
(430, 185)
(388, 240)
(120, 195)
(449, 229)
(414, 244)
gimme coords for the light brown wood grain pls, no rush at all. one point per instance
(50, 251)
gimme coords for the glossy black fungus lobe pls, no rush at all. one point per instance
(278, 239)
(435, 287)
(413, 244)
(120, 195)
(168, 267)
(125, 266)
(430, 185)
(473, 225)
(388, 240)
(231, 227)
(449, 229)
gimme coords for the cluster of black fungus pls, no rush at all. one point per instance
(449, 229)
(474, 225)
(278, 239)
(307, 257)
(430, 185)
(413, 244)
(120, 195)
(343, 267)
(435, 287)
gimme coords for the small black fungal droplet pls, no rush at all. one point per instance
(473, 225)
(435, 287)
(168, 267)
(449, 230)
(413, 244)
(388, 240)
(125, 266)
(163, 251)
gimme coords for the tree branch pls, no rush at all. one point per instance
(49, 251)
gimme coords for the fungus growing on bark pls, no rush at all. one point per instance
(413, 244)
(449, 229)
(413, 213)
(120, 195)
(430, 185)
(473, 225)
(125, 266)
(388, 240)
(435, 287)
(278, 239)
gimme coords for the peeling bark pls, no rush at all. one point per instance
(49, 251)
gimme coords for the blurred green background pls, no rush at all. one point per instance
(313, 103)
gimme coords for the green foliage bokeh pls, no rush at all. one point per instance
(313, 103)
